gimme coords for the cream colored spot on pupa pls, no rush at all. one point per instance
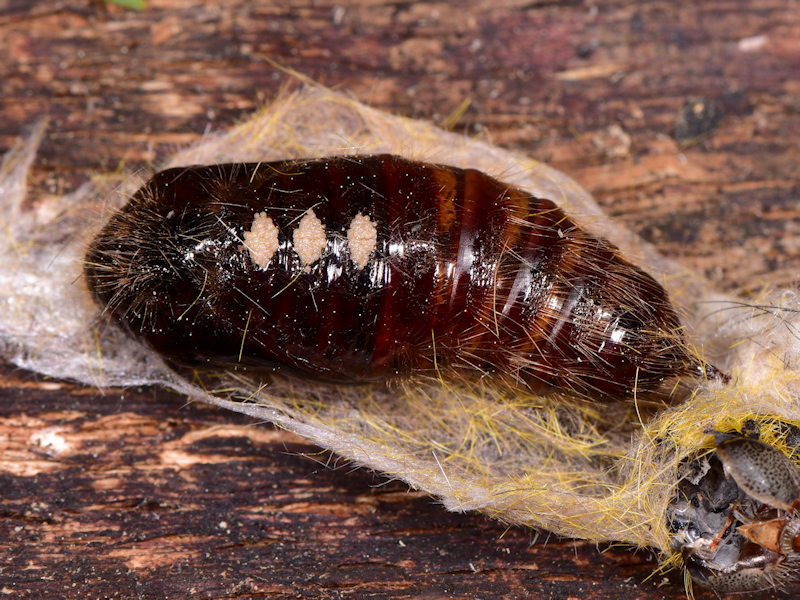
(262, 240)
(309, 238)
(362, 237)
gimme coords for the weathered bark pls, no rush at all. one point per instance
(131, 493)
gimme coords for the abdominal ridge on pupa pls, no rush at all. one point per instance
(372, 268)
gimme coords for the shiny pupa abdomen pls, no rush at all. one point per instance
(369, 268)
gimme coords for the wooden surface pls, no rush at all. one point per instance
(137, 494)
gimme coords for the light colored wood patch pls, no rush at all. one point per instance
(362, 238)
(309, 238)
(262, 240)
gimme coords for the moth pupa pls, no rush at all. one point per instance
(373, 268)
(601, 471)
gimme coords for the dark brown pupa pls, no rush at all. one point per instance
(370, 268)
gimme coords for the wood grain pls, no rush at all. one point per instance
(137, 494)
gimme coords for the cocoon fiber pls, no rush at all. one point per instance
(591, 468)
